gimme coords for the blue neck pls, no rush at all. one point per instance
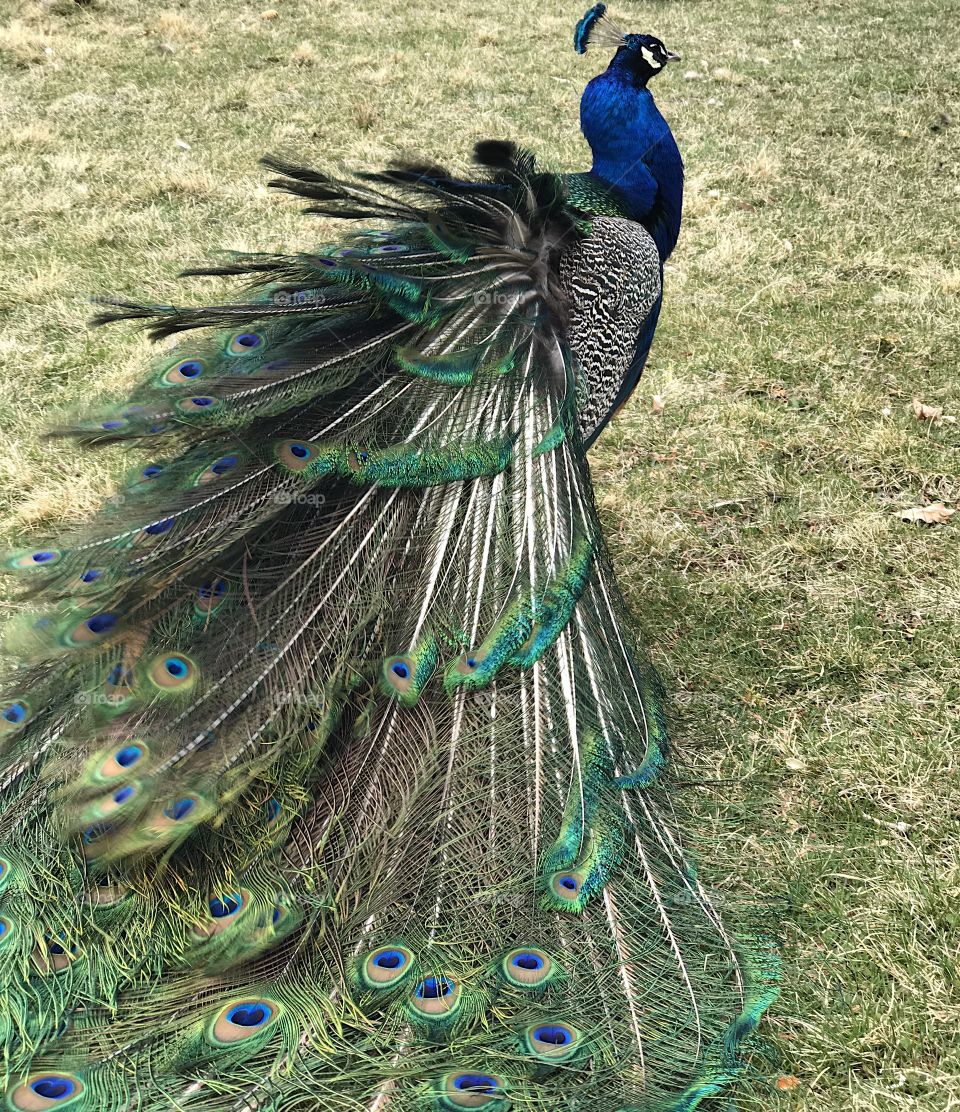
(634, 150)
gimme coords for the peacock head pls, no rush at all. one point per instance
(637, 58)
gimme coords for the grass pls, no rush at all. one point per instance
(810, 636)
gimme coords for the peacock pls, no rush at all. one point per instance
(331, 777)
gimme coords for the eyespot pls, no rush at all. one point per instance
(91, 575)
(221, 907)
(220, 467)
(196, 405)
(435, 998)
(249, 1015)
(528, 968)
(553, 1036)
(434, 988)
(94, 628)
(555, 1041)
(472, 1089)
(210, 596)
(566, 885)
(151, 471)
(45, 1090)
(224, 911)
(180, 809)
(243, 1019)
(6, 930)
(111, 426)
(244, 342)
(387, 966)
(14, 716)
(42, 558)
(568, 888)
(295, 455)
(469, 662)
(104, 808)
(214, 588)
(186, 370)
(95, 832)
(173, 672)
(118, 762)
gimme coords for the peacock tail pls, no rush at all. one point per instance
(331, 777)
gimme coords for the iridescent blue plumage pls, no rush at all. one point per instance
(634, 155)
(633, 147)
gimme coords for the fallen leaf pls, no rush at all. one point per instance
(795, 764)
(924, 412)
(787, 1082)
(271, 14)
(182, 144)
(657, 405)
(935, 514)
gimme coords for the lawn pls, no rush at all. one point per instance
(752, 489)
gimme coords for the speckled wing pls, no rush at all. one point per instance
(613, 280)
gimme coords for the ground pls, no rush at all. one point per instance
(751, 490)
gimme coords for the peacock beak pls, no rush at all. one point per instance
(673, 56)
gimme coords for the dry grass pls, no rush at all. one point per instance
(811, 637)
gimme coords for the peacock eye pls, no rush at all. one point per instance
(173, 673)
(472, 1088)
(242, 1019)
(46, 1090)
(15, 714)
(223, 906)
(179, 809)
(529, 968)
(386, 967)
(244, 342)
(552, 1041)
(101, 623)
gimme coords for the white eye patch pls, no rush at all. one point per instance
(650, 58)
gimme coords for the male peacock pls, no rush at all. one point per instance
(330, 777)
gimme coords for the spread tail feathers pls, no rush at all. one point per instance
(331, 778)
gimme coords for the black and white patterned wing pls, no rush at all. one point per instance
(613, 280)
